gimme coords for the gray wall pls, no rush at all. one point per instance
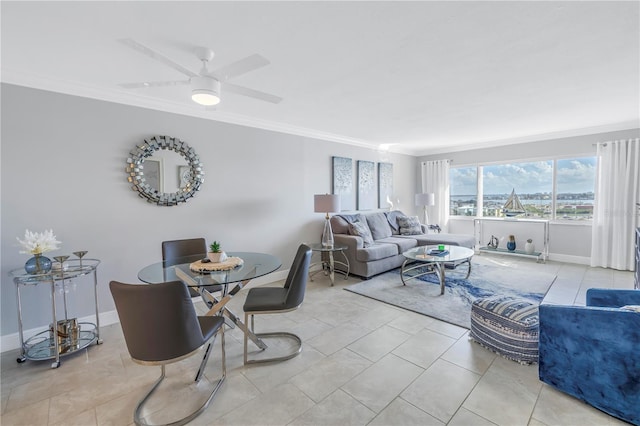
(63, 167)
(568, 241)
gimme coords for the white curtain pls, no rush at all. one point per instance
(435, 178)
(615, 215)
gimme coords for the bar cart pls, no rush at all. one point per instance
(64, 336)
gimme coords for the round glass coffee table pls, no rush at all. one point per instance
(427, 260)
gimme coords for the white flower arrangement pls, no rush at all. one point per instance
(38, 242)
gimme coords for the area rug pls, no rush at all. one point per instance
(422, 295)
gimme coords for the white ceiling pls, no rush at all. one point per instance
(425, 77)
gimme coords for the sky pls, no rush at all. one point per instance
(575, 175)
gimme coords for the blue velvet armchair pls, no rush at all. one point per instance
(593, 352)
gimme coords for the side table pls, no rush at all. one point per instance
(66, 336)
(327, 261)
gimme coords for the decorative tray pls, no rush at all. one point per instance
(226, 265)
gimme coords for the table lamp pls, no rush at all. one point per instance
(326, 203)
(426, 199)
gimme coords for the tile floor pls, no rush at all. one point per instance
(363, 363)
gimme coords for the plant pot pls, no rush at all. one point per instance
(217, 257)
(529, 248)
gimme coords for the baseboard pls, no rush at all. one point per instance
(567, 258)
(10, 342)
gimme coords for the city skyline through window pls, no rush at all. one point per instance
(532, 185)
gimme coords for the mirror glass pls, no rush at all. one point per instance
(165, 171)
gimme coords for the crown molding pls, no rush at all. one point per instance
(612, 127)
(73, 88)
(40, 82)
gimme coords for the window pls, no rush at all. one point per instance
(575, 183)
(518, 189)
(525, 189)
(463, 182)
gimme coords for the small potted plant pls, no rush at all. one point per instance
(216, 255)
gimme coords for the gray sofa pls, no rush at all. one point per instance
(385, 252)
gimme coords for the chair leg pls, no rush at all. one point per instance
(138, 418)
(246, 335)
(136, 414)
(292, 336)
(205, 358)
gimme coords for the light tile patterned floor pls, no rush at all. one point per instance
(364, 362)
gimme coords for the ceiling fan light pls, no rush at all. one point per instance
(205, 91)
(205, 97)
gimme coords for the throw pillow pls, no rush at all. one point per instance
(378, 226)
(362, 230)
(409, 225)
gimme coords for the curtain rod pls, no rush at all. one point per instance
(443, 159)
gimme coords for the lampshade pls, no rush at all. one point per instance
(326, 203)
(205, 90)
(426, 199)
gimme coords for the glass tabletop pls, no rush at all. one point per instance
(427, 254)
(254, 265)
(320, 247)
(72, 268)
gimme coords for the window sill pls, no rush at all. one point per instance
(551, 222)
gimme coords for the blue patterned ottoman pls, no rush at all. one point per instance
(507, 326)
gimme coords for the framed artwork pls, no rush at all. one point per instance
(153, 173)
(343, 182)
(385, 185)
(366, 185)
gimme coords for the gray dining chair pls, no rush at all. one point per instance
(275, 300)
(160, 327)
(183, 251)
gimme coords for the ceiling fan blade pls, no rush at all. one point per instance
(241, 90)
(157, 56)
(153, 84)
(242, 66)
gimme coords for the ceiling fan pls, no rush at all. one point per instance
(205, 86)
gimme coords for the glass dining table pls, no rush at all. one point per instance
(228, 282)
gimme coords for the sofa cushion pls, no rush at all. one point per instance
(392, 218)
(378, 225)
(409, 225)
(361, 229)
(403, 243)
(340, 222)
(376, 252)
(339, 225)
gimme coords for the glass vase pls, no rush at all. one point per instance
(38, 264)
(327, 234)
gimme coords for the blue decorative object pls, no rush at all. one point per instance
(511, 244)
(38, 264)
(591, 352)
(508, 326)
